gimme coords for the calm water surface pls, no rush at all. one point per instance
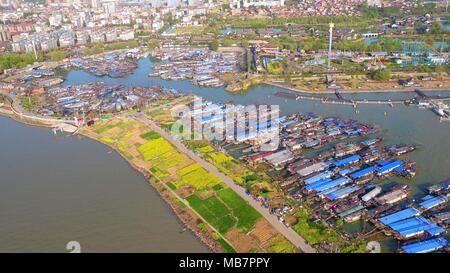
(59, 189)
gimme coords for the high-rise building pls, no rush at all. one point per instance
(5, 3)
(95, 4)
(374, 3)
(109, 7)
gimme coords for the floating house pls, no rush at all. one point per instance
(426, 246)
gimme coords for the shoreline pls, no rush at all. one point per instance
(357, 91)
(181, 215)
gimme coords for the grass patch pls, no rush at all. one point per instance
(217, 187)
(314, 232)
(171, 186)
(107, 127)
(205, 149)
(226, 246)
(280, 245)
(213, 211)
(159, 173)
(247, 216)
(150, 135)
(228, 165)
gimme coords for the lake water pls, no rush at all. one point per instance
(59, 189)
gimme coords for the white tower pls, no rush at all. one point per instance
(329, 44)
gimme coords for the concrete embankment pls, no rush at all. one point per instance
(354, 91)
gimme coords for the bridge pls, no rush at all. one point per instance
(341, 100)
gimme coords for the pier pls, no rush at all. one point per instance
(338, 100)
(421, 96)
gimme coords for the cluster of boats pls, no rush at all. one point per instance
(339, 170)
(109, 64)
(101, 97)
(198, 64)
(419, 226)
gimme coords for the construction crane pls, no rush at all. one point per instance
(437, 51)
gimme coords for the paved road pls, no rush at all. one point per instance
(289, 233)
(20, 111)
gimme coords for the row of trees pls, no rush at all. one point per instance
(304, 20)
(386, 12)
(389, 45)
(18, 60)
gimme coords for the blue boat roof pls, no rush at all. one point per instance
(330, 190)
(345, 171)
(398, 216)
(318, 183)
(433, 202)
(69, 101)
(342, 192)
(209, 118)
(347, 160)
(426, 246)
(389, 166)
(409, 222)
(331, 184)
(415, 225)
(318, 177)
(362, 173)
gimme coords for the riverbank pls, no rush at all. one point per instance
(186, 217)
(59, 188)
(231, 220)
(356, 91)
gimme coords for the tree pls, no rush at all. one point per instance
(57, 55)
(374, 47)
(437, 29)
(392, 45)
(214, 45)
(380, 75)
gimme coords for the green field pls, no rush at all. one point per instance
(120, 124)
(247, 216)
(214, 212)
(150, 135)
(226, 246)
(313, 232)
